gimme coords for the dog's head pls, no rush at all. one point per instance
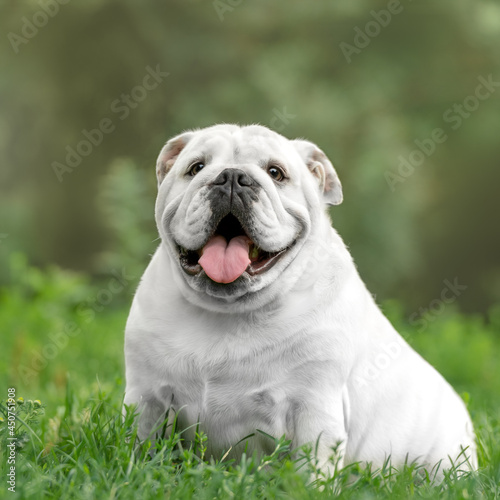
(235, 207)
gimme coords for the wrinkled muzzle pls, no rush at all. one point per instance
(230, 249)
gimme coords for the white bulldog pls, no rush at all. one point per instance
(252, 316)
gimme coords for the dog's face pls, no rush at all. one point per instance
(236, 207)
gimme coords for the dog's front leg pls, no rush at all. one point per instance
(155, 414)
(321, 424)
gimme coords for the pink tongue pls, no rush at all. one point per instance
(225, 262)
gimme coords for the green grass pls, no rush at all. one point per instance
(88, 451)
(75, 443)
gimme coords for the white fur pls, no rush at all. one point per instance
(291, 351)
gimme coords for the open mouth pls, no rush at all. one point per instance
(227, 254)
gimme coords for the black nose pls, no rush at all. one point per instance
(233, 191)
(233, 181)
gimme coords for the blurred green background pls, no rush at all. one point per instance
(373, 83)
(363, 90)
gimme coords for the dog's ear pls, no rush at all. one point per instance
(169, 154)
(321, 167)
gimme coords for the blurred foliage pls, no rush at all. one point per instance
(124, 198)
(261, 60)
(59, 323)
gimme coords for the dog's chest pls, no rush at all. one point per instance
(233, 398)
(236, 386)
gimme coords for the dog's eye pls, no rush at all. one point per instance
(195, 168)
(275, 172)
